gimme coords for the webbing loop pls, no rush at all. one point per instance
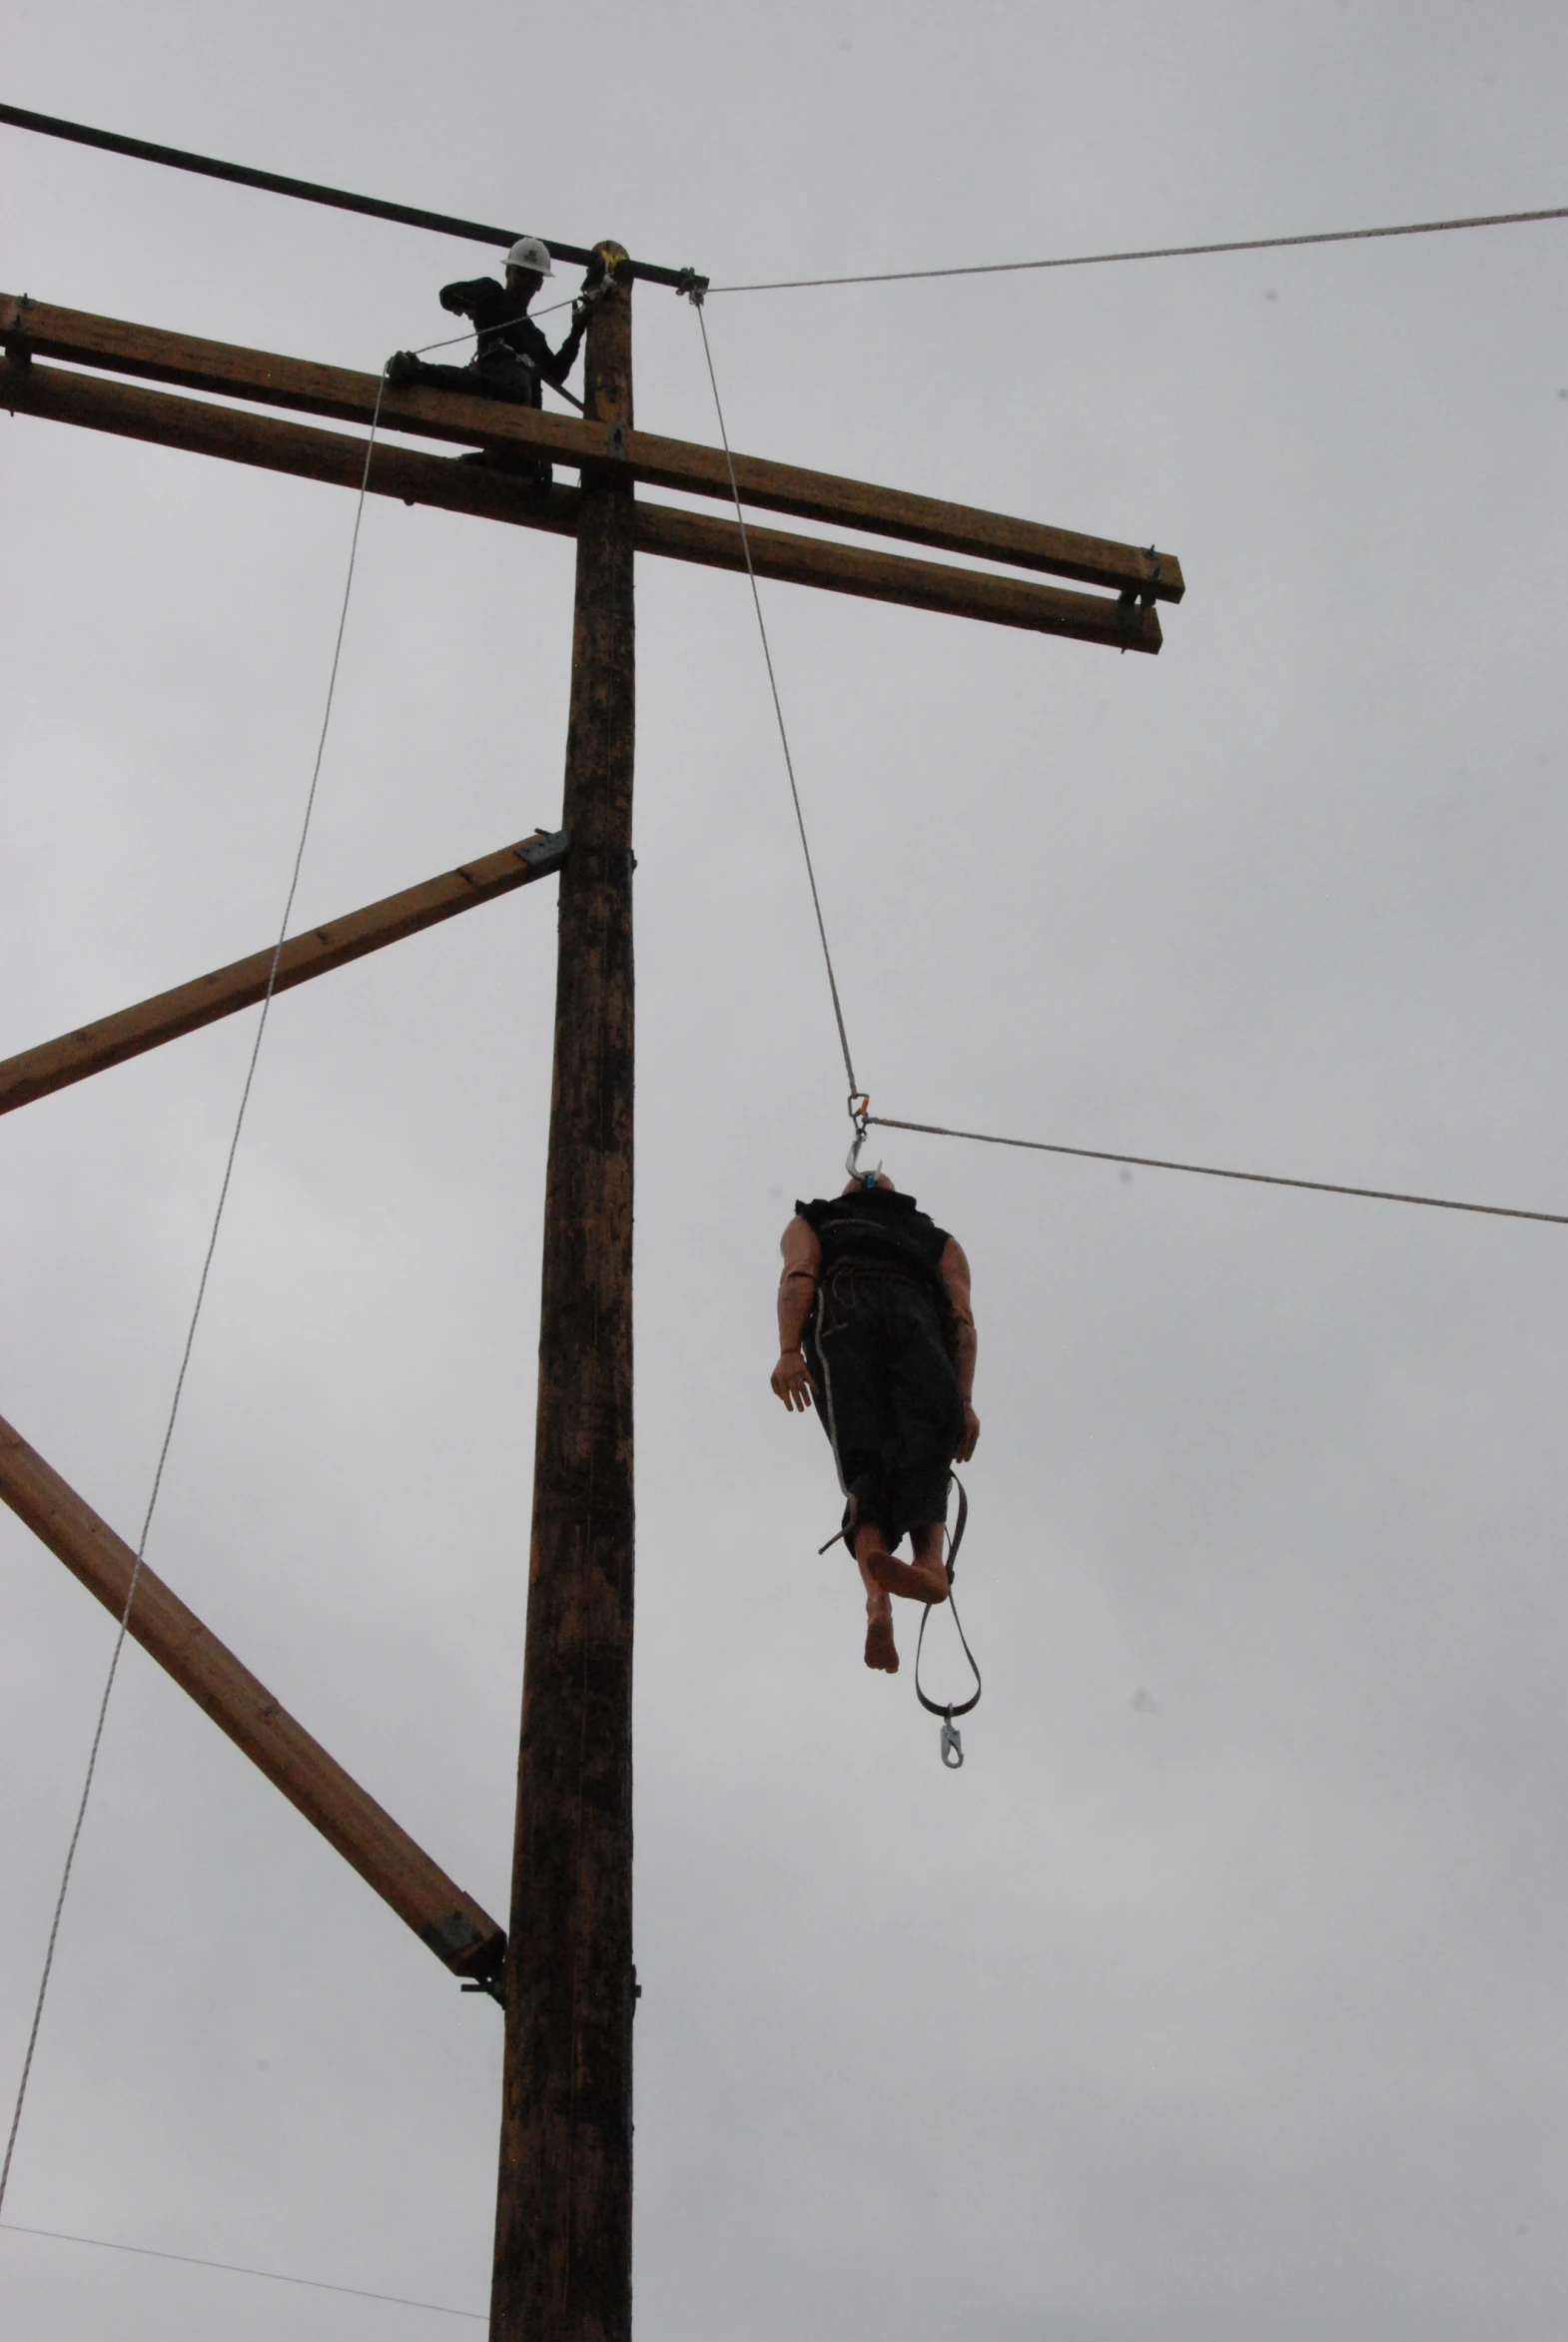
(952, 1746)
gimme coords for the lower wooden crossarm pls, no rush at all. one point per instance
(491, 492)
(449, 1923)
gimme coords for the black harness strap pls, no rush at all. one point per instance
(952, 1741)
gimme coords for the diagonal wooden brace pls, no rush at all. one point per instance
(449, 1923)
(54, 1065)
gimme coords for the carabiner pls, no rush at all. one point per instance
(859, 1110)
(952, 1745)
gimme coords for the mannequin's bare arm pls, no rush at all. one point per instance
(797, 1291)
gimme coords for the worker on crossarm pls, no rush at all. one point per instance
(513, 359)
(875, 1323)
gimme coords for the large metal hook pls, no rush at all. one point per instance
(859, 1110)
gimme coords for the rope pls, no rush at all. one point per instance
(1158, 252)
(789, 762)
(524, 317)
(190, 2260)
(196, 1312)
(1209, 1171)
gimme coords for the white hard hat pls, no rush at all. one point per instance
(530, 252)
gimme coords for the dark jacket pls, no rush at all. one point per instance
(877, 1227)
(506, 336)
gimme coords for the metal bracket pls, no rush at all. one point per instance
(17, 348)
(615, 442)
(451, 1937)
(1131, 608)
(1134, 603)
(546, 850)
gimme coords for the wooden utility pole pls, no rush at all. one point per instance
(563, 2209)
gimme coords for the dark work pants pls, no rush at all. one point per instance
(888, 1397)
(514, 384)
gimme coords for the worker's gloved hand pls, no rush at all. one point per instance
(792, 1382)
(402, 367)
(966, 1446)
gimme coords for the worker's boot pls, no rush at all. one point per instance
(519, 465)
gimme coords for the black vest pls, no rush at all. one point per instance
(880, 1228)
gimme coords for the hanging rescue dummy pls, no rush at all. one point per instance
(875, 1327)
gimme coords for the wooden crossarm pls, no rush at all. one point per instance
(448, 1921)
(417, 479)
(54, 1065)
(347, 396)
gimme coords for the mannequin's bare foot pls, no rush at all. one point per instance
(878, 1567)
(881, 1650)
(916, 1581)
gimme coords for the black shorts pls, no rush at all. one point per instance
(888, 1396)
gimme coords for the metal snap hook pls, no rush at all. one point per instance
(859, 1110)
(952, 1745)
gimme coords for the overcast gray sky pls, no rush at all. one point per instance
(1222, 1995)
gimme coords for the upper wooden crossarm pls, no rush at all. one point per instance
(300, 384)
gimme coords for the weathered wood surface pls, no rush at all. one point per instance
(349, 396)
(564, 2204)
(444, 1918)
(414, 477)
(54, 1065)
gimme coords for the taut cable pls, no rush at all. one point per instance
(1158, 252)
(1209, 1171)
(789, 762)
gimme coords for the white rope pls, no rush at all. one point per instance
(196, 1312)
(789, 762)
(190, 2260)
(524, 317)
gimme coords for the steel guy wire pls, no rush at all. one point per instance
(789, 762)
(1156, 252)
(1209, 1171)
(196, 1310)
(191, 2260)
